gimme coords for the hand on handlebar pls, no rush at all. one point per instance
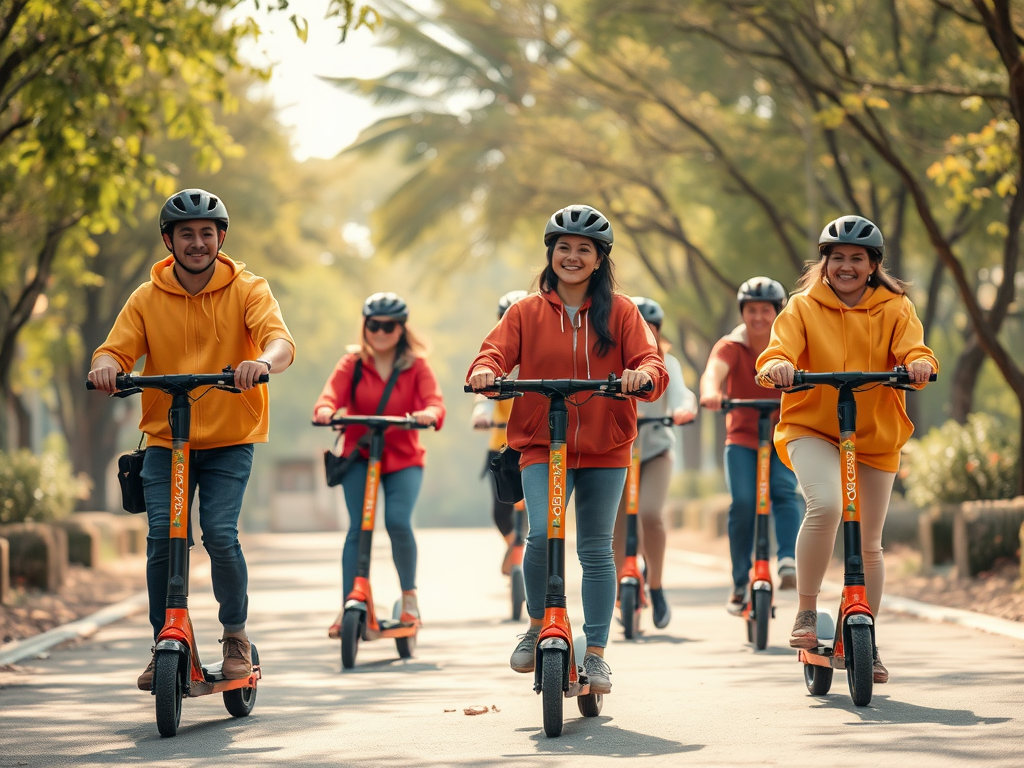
(426, 418)
(634, 381)
(104, 377)
(248, 373)
(712, 402)
(481, 378)
(682, 416)
(323, 415)
(920, 371)
(780, 374)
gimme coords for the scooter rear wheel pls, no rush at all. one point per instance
(240, 701)
(168, 692)
(859, 664)
(762, 613)
(818, 679)
(628, 600)
(552, 676)
(351, 629)
(518, 593)
(590, 705)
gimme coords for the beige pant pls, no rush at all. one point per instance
(655, 476)
(816, 463)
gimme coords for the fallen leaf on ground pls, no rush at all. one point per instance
(475, 711)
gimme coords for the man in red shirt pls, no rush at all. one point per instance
(730, 373)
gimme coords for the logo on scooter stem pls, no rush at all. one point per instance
(849, 450)
(179, 488)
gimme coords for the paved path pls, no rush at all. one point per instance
(693, 694)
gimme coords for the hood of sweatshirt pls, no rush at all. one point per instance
(163, 276)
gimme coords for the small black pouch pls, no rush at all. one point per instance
(129, 475)
(508, 481)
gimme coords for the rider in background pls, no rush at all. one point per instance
(850, 315)
(656, 463)
(576, 327)
(493, 414)
(200, 311)
(731, 373)
(389, 349)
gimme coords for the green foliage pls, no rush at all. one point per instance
(962, 462)
(37, 488)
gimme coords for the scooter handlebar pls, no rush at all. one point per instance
(513, 387)
(765, 405)
(898, 378)
(375, 422)
(132, 382)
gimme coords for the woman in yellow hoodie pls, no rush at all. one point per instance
(849, 315)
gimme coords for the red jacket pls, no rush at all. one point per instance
(415, 389)
(536, 335)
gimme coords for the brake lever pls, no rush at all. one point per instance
(907, 387)
(127, 392)
(801, 388)
(611, 395)
(233, 390)
(509, 396)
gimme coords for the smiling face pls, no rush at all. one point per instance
(195, 243)
(377, 335)
(574, 259)
(848, 268)
(758, 316)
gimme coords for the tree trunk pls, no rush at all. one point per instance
(965, 378)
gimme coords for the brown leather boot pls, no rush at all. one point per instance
(145, 682)
(237, 658)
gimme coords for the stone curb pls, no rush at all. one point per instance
(928, 611)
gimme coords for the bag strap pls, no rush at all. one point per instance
(364, 441)
(357, 374)
(392, 379)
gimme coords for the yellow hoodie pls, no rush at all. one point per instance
(818, 332)
(232, 319)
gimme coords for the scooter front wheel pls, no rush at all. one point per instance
(168, 692)
(351, 628)
(552, 677)
(628, 600)
(518, 593)
(240, 701)
(818, 679)
(859, 664)
(762, 613)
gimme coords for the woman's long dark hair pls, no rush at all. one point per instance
(599, 291)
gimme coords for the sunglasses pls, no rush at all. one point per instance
(381, 325)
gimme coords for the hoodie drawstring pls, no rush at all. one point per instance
(586, 341)
(187, 303)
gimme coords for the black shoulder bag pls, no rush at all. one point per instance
(508, 481)
(336, 466)
(129, 475)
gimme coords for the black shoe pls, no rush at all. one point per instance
(662, 613)
(737, 600)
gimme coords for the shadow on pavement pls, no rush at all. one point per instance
(885, 710)
(595, 736)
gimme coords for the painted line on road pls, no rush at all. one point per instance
(970, 619)
(19, 650)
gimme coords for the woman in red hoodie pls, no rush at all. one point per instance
(576, 327)
(389, 350)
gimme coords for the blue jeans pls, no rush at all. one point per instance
(221, 474)
(401, 489)
(597, 501)
(741, 477)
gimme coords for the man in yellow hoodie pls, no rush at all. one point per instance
(199, 312)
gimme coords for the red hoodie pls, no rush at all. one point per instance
(537, 335)
(415, 389)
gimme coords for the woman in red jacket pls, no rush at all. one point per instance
(389, 350)
(577, 327)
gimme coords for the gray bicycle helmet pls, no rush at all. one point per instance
(762, 289)
(852, 230)
(386, 305)
(508, 300)
(650, 310)
(580, 220)
(190, 204)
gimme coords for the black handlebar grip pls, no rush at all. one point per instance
(264, 378)
(90, 385)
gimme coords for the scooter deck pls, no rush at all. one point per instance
(822, 656)
(215, 681)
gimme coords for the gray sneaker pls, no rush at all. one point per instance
(599, 672)
(524, 656)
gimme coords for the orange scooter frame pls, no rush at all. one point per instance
(852, 647)
(359, 618)
(178, 671)
(760, 608)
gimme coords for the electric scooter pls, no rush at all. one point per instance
(178, 672)
(853, 647)
(359, 619)
(632, 589)
(761, 606)
(556, 673)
